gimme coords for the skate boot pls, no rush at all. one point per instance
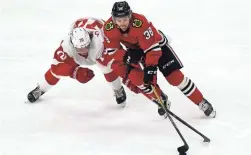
(166, 102)
(35, 94)
(120, 95)
(207, 108)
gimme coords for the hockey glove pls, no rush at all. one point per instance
(133, 56)
(131, 86)
(83, 75)
(150, 75)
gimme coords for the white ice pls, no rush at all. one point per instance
(212, 38)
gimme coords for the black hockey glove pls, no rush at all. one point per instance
(133, 56)
(150, 75)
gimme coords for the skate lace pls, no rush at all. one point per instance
(119, 93)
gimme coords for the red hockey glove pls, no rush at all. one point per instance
(131, 86)
(83, 75)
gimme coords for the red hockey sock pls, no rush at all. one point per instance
(186, 85)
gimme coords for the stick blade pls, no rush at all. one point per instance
(183, 149)
(206, 140)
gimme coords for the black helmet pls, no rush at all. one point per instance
(121, 9)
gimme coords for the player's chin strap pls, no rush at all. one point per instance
(182, 149)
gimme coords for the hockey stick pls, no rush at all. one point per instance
(128, 70)
(182, 149)
(206, 139)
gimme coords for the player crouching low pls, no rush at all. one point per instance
(82, 47)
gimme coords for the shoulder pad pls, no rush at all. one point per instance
(139, 21)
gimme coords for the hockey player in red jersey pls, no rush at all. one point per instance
(82, 47)
(145, 44)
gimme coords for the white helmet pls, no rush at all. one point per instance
(80, 37)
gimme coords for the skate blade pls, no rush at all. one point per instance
(213, 114)
(122, 105)
(27, 102)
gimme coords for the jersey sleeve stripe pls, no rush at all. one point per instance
(154, 47)
(163, 40)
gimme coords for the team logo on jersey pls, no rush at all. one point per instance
(109, 26)
(137, 23)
